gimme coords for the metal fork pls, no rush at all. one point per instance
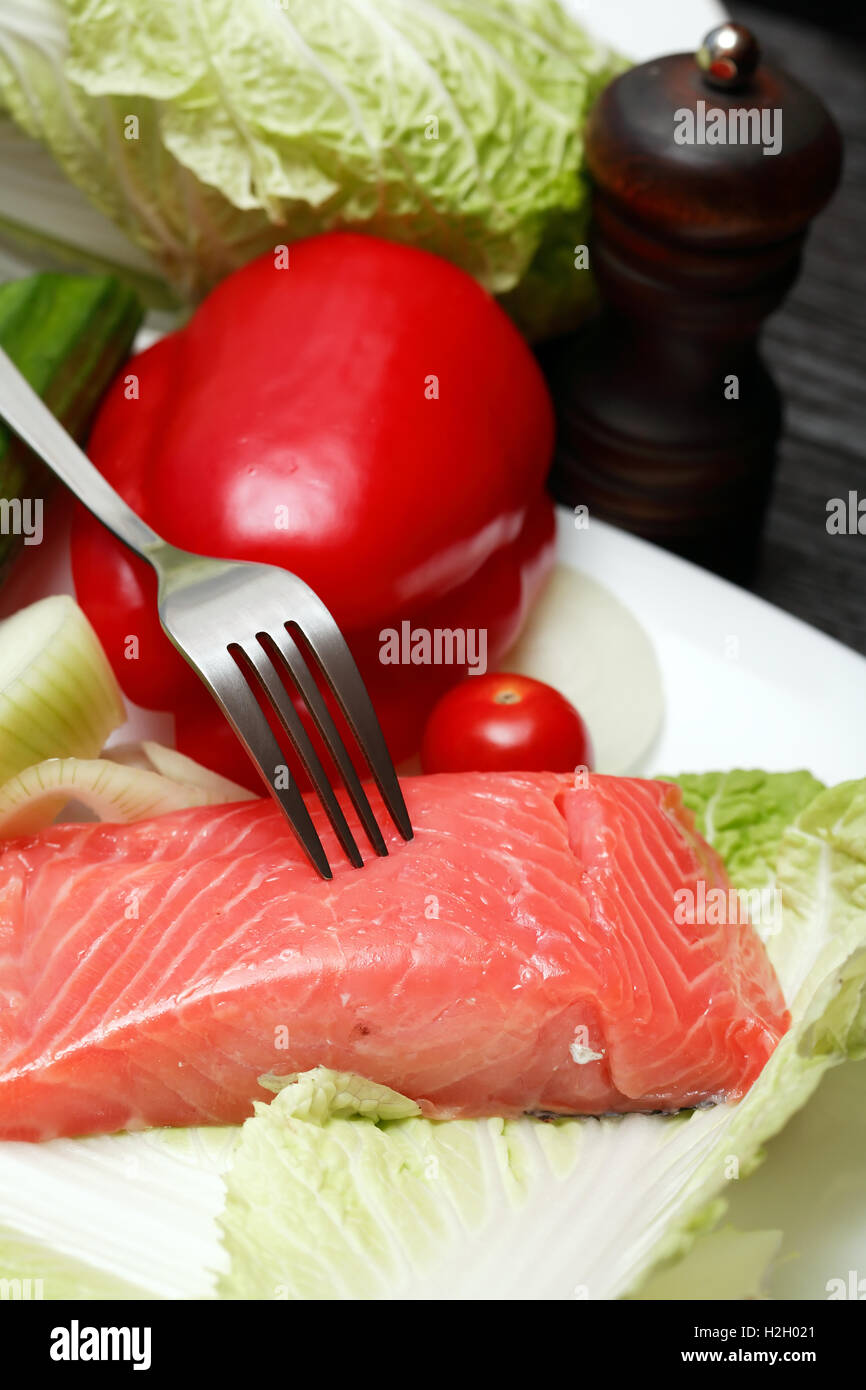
(241, 627)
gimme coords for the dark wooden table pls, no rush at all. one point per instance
(816, 346)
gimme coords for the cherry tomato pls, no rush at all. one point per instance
(505, 723)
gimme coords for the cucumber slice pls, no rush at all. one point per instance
(110, 791)
(58, 694)
(68, 335)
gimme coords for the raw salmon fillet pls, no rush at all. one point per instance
(520, 954)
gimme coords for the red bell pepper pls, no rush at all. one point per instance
(367, 417)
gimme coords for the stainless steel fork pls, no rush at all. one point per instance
(241, 627)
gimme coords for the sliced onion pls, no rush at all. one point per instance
(180, 768)
(584, 642)
(110, 791)
(58, 694)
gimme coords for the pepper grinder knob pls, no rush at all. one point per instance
(728, 56)
(707, 170)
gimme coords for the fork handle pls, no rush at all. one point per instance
(33, 422)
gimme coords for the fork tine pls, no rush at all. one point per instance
(289, 655)
(226, 683)
(264, 671)
(329, 647)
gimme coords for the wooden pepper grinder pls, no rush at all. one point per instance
(706, 171)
